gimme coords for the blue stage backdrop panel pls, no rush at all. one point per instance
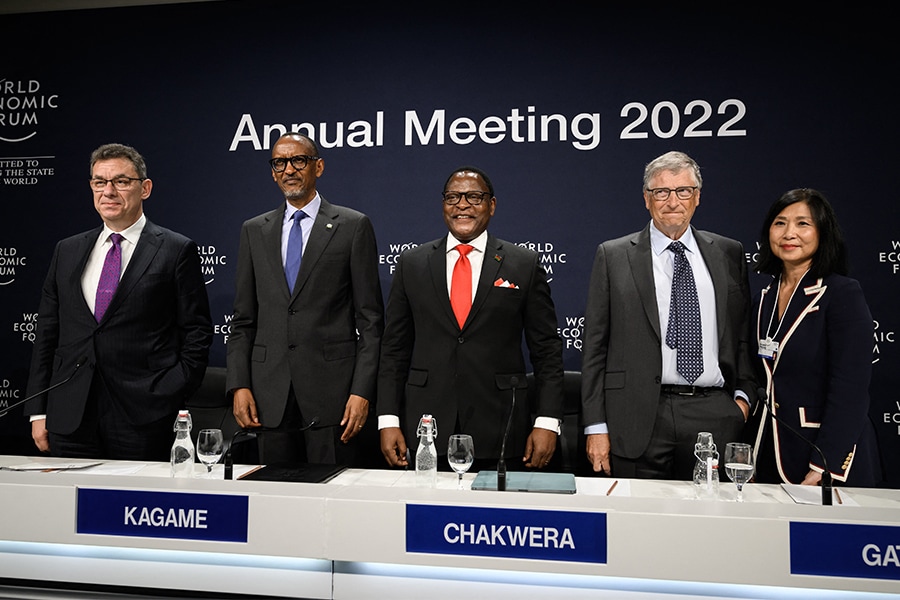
(563, 110)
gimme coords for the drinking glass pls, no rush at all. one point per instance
(460, 455)
(739, 465)
(210, 447)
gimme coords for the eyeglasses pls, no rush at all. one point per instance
(473, 198)
(98, 184)
(682, 193)
(299, 162)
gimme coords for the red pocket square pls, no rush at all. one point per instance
(504, 283)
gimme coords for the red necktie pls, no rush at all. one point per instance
(461, 285)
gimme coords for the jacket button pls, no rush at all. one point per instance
(292, 347)
(460, 339)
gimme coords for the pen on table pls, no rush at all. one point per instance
(612, 487)
(837, 495)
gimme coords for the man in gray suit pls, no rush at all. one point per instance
(308, 318)
(666, 336)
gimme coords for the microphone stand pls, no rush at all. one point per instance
(248, 433)
(501, 464)
(826, 474)
(78, 365)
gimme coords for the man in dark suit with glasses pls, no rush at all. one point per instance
(308, 318)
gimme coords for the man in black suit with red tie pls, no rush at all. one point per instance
(124, 313)
(457, 312)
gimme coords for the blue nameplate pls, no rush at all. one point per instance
(136, 513)
(506, 532)
(845, 550)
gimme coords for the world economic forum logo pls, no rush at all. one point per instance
(22, 102)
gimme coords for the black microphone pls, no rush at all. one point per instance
(501, 464)
(826, 474)
(249, 433)
(80, 363)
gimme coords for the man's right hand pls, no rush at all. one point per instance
(598, 452)
(245, 408)
(39, 435)
(393, 446)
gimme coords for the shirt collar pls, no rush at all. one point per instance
(311, 209)
(479, 243)
(131, 233)
(660, 243)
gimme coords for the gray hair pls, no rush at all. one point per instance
(113, 151)
(674, 162)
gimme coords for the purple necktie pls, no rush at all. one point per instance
(109, 277)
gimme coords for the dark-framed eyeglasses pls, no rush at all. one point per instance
(684, 192)
(299, 162)
(473, 198)
(98, 184)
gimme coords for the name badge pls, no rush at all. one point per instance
(768, 348)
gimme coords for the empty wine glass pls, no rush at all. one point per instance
(739, 465)
(460, 455)
(210, 447)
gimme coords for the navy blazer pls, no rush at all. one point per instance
(431, 365)
(818, 382)
(152, 345)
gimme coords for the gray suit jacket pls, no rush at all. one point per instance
(325, 337)
(622, 359)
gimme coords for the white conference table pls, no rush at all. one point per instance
(348, 538)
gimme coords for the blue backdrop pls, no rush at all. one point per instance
(563, 110)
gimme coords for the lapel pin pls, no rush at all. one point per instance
(328, 226)
(498, 258)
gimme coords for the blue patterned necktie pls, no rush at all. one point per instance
(685, 333)
(109, 276)
(294, 251)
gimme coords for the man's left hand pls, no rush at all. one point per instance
(540, 448)
(355, 415)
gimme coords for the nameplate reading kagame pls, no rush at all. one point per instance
(177, 515)
(506, 532)
(845, 550)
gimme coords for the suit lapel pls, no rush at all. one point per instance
(715, 264)
(85, 247)
(437, 266)
(641, 261)
(271, 236)
(144, 252)
(323, 230)
(805, 300)
(490, 266)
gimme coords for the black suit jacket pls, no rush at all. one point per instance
(430, 365)
(325, 337)
(621, 354)
(152, 345)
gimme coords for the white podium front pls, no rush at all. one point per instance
(357, 537)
